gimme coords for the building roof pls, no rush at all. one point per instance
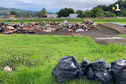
(73, 14)
(12, 15)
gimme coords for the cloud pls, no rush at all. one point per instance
(54, 4)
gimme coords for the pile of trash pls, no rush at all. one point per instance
(85, 26)
(34, 27)
(68, 68)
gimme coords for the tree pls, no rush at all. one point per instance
(124, 14)
(65, 12)
(79, 12)
(87, 13)
(100, 13)
(38, 14)
(13, 13)
(57, 12)
(97, 12)
(122, 7)
(27, 15)
(62, 13)
(103, 7)
(109, 14)
(42, 13)
(69, 10)
(118, 13)
(31, 15)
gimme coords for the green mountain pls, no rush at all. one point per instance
(6, 11)
(122, 7)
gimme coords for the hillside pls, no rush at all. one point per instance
(6, 11)
(122, 7)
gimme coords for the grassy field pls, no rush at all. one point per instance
(33, 57)
(124, 36)
(79, 20)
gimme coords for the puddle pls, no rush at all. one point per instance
(109, 38)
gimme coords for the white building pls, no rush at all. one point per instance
(73, 15)
(2, 16)
(52, 15)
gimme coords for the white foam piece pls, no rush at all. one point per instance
(109, 38)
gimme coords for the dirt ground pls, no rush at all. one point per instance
(102, 31)
(99, 32)
(120, 29)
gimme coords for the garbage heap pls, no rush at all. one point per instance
(43, 26)
(85, 26)
(68, 69)
(2, 27)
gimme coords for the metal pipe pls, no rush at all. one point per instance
(118, 24)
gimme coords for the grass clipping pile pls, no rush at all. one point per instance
(68, 69)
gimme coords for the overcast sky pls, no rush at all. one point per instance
(53, 5)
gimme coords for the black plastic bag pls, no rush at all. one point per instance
(101, 64)
(90, 71)
(104, 76)
(82, 65)
(103, 71)
(99, 70)
(66, 69)
(119, 71)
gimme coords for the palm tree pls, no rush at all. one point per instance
(42, 12)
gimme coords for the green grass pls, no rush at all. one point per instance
(79, 20)
(122, 22)
(122, 35)
(33, 57)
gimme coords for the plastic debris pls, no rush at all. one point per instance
(46, 27)
(82, 65)
(119, 71)
(79, 30)
(99, 70)
(66, 69)
(7, 68)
